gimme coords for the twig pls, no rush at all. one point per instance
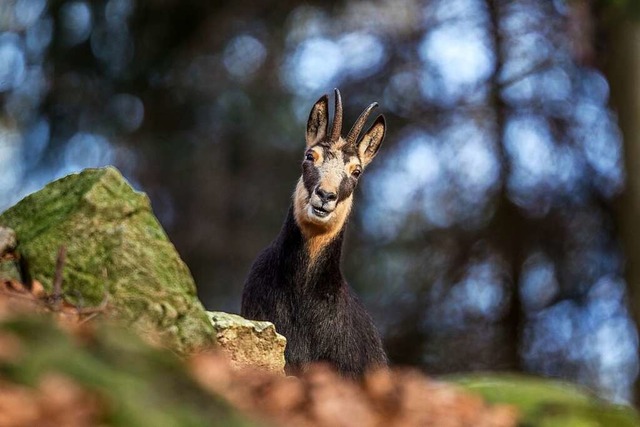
(57, 281)
(88, 318)
(97, 309)
(536, 68)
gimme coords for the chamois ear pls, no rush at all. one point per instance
(371, 141)
(318, 121)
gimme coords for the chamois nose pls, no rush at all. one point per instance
(326, 196)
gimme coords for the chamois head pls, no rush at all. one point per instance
(331, 167)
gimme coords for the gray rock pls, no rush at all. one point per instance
(249, 343)
(7, 241)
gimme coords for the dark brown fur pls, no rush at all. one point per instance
(297, 282)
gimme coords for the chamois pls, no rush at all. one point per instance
(296, 282)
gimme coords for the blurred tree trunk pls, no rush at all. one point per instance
(620, 56)
(507, 223)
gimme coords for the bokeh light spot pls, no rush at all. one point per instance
(127, 110)
(76, 21)
(459, 55)
(313, 65)
(243, 56)
(364, 54)
(28, 11)
(86, 150)
(12, 61)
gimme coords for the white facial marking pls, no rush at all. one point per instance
(331, 174)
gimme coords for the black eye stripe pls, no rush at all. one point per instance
(310, 177)
(347, 185)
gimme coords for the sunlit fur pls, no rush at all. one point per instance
(297, 282)
(318, 234)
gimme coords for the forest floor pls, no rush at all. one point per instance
(319, 397)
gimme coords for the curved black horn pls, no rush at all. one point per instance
(359, 124)
(336, 127)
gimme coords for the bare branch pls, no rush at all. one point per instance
(541, 66)
(57, 281)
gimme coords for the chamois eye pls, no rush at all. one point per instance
(309, 156)
(356, 172)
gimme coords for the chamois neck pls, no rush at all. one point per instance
(319, 236)
(314, 255)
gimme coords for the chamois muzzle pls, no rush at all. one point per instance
(326, 196)
(322, 202)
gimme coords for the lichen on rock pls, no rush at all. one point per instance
(116, 246)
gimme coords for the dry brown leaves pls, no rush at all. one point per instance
(56, 401)
(322, 398)
(17, 298)
(319, 398)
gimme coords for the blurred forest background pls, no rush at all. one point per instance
(498, 227)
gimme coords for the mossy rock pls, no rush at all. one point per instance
(114, 245)
(549, 403)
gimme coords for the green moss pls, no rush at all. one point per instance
(549, 403)
(9, 270)
(114, 244)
